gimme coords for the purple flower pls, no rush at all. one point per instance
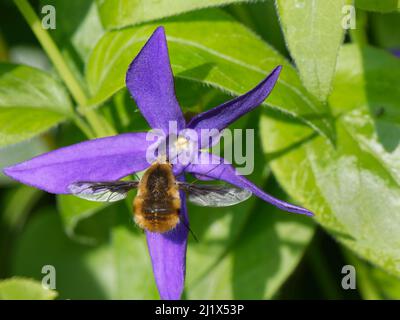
(151, 84)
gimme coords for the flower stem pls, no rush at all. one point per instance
(81, 124)
(64, 71)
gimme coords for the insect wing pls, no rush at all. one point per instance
(102, 191)
(215, 195)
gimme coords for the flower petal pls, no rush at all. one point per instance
(222, 116)
(217, 168)
(104, 159)
(151, 84)
(168, 256)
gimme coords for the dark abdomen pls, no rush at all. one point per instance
(157, 203)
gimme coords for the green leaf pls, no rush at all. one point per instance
(254, 16)
(43, 242)
(208, 47)
(313, 32)
(18, 153)
(266, 251)
(29, 87)
(378, 6)
(385, 29)
(372, 282)
(387, 285)
(77, 31)
(74, 210)
(18, 204)
(116, 269)
(121, 13)
(30, 56)
(89, 32)
(353, 188)
(133, 270)
(89, 222)
(24, 289)
(19, 123)
(78, 27)
(31, 102)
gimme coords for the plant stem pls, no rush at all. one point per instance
(62, 68)
(81, 124)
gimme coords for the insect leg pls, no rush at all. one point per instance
(190, 230)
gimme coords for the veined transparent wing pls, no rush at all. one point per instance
(102, 191)
(214, 195)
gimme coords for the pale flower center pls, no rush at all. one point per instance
(181, 144)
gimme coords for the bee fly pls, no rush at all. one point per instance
(157, 203)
